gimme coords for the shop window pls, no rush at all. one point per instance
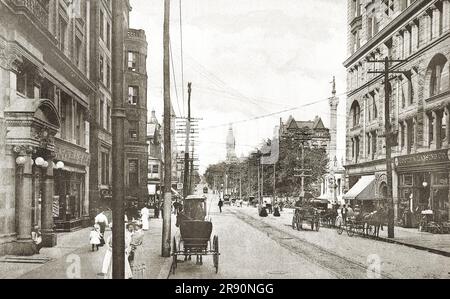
(133, 179)
(440, 178)
(407, 180)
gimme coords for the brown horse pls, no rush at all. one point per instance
(376, 220)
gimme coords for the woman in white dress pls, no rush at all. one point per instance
(145, 213)
(107, 260)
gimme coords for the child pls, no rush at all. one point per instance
(94, 237)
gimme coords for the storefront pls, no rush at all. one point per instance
(71, 201)
(423, 183)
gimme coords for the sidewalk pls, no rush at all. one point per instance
(73, 258)
(411, 237)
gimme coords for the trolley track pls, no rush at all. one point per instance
(340, 266)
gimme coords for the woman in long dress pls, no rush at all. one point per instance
(136, 244)
(145, 213)
(107, 260)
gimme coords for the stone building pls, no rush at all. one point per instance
(417, 32)
(44, 111)
(135, 86)
(100, 194)
(231, 147)
(312, 132)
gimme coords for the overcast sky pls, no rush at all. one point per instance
(247, 59)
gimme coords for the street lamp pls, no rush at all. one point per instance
(59, 165)
(39, 161)
(21, 160)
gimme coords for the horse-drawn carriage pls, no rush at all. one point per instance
(308, 214)
(195, 233)
(362, 223)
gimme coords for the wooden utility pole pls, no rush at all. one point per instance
(165, 244)
(388, 137)
(186, 147)
(118, 117)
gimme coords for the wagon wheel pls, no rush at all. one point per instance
(174, 254)
(370, 229)
(216, 252)
(350, 230)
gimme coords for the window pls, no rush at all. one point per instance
(407, 180)
(355, 110)
(356, 149)
(402, 135)
(155, 168)
(368, 144)
(78, 126)
(22, 82)
(132, 61)
(108, 36)
(133, 131)
(77, 54)
(430, 24)
(101, 111)
(133, 95)
(389, 7)
(404, 4)
(439, 70)
(443, 127)
(108, 76)
(62, 33)
(430, 128)
(374, 144)
(108, 118)
(406, 90)
(105, 168)
(372, 25)
(133, 178)
(102, 26)
(101, 69)
(356, 8)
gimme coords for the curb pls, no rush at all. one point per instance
(164, 273)
(419, 247)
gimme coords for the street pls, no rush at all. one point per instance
(255, 247)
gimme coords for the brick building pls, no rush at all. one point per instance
(419, 33)
(135, 86)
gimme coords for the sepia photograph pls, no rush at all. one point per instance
(237, 141)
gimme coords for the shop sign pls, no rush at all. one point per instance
(55, 206)
(72, 156)
(440, 156)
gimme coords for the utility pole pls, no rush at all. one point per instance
(165, 244)
(274, 181)
(118, 116)
(388, 137)
(191, 171)
(186, 147)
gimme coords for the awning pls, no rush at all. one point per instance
(364, 189)
(151, 189)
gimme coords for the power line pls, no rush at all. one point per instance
(174, 79)
(269, 114)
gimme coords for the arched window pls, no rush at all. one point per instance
(355, 112)
(438, 72)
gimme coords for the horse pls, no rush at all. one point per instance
(329, 217)
(375, 219)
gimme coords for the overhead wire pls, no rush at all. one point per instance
(174, 78)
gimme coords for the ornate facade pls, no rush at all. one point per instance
(417, 32)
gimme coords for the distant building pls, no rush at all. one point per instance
(231, 147)
(155, 162)
(312, 132)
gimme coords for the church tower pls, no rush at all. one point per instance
(231, 146)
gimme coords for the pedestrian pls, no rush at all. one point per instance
(107, 261)
(95, 237)
(220, 204)
(102, 221)
(276, 210)
(136, 247)
(344, 214)
(36, 236)
(145, 214)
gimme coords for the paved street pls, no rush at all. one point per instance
(255, 247)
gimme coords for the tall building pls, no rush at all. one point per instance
(100, 191)
(136, 152)
(45, 98)
(231, 146)
(417, 32)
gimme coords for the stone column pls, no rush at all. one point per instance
(23, 208)
(435, 130)
(48, 235)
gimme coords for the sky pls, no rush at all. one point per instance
(248, 61)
